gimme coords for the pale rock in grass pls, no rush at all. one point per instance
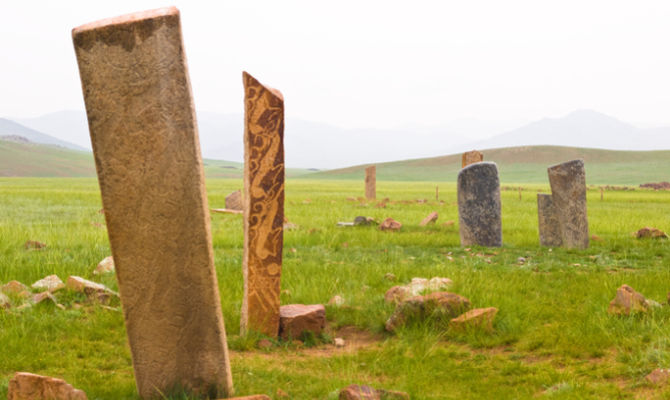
(659, 376)
(628, 301)
(336, 300)
(439, 283)
(396, 294)
(430, 219)
(339, 342)
(439, 304)
(389, 224)
(50, 283)
(90, 288)
(294, 319)
(4, 301)
(27, 386)
(41, 298)
(476, 318)
(106, 266)
(16, 288)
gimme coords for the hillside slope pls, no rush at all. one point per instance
(526, 164)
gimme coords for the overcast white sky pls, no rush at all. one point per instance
(357, 63)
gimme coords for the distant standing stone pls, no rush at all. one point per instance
(568, 188)
(471, 157)
(548, 226)
(234, 201)
(479, 205)
(371, 182)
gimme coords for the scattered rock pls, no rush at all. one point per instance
(339, 342)
(42, 297)
(91, 289)
(656, 186)
(417, 286)
(252, 397)
(27, 386)
(396, 294)
(659, 376)
(234, 201)
(448, 223)
(16, 288)
(628, 301)
(336, 300)
(4, 301)
(596, 238)
(264, 344)
(363, 221)
(363, 392)
(521, 260)
(280, 394)
(34, 245)
(390, 224)
(294, 319)
(649, 232)
(389, 276)
(50, 283)
(430, 219)
(106, 266)
(440, 304)
(438, 283)
(477, 318)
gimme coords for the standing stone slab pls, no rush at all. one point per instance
(548, 225)
(234, 201)
(371, 182)
(471, 157)
(479, 205)
(263, 206)
(144, 135)
(568, 188)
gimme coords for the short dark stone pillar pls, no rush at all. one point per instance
(479, 205)
(568, 188)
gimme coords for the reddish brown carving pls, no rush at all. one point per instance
(144, 135)
(263, 206)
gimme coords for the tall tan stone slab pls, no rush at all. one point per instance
(145, 142)
(263, 206)
(548, 225)
(371, 182)
(568, 190)
(471, 157)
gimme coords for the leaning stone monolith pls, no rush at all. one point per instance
(371, 182)
(479, 205)
(143, 130)
(471, 157)
(568, 189)
(548, 225)
(263, 206)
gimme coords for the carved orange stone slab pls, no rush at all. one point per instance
(145, 141)
(263, 206)
(471, 157)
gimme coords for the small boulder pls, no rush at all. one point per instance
(294, 319)
(42, 298)
(439, 283)
(363, 221)
(27, 386)
(336, 300)
(440, 304)
(627, 301)
(652, 233)
(50, 283)
(390, 224)
(339, 342)
(34, 245)
(430, 219)
(659, 376)
(92, 290)
(396, 294)
(106, 266)
(417, 286)
(476, 318)
(16, 288)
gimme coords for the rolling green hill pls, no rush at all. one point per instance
(526, 164)
(39, 160)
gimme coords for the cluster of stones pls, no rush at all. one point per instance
(412, 303)
(562, 218)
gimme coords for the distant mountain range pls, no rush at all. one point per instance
(319, 145)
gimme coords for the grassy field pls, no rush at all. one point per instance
(525, 164)
(552, 336)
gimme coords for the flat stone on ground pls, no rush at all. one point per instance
(294, 319)
(50, 283)
(439, 304)
(628, 301)
(389, 224)
(16, 288)
(476, 318)
(659, 376)
(27, 386)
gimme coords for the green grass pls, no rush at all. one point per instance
(525, 164)
(552, 338)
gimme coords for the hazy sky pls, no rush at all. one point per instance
(375, 63)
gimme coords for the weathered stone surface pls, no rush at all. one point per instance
(415, 287)
(263, 206)
(651, 233)
(396, 294)
(479, 216)
(27, 386)
(371, 182)
(548, 225)
(50, 283)
(568, 189)
(298, 318)
(440, 304)
(361, 220)
(363, 392)
(234, 201)
(628, 301)
(144, 134)
(389, 224)
(476, 318)
(659, 376)
(79, 284)
(471, 157)
(106, 266)
(16, 288)
(339, 342)
(430, 219)
(4, 301)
